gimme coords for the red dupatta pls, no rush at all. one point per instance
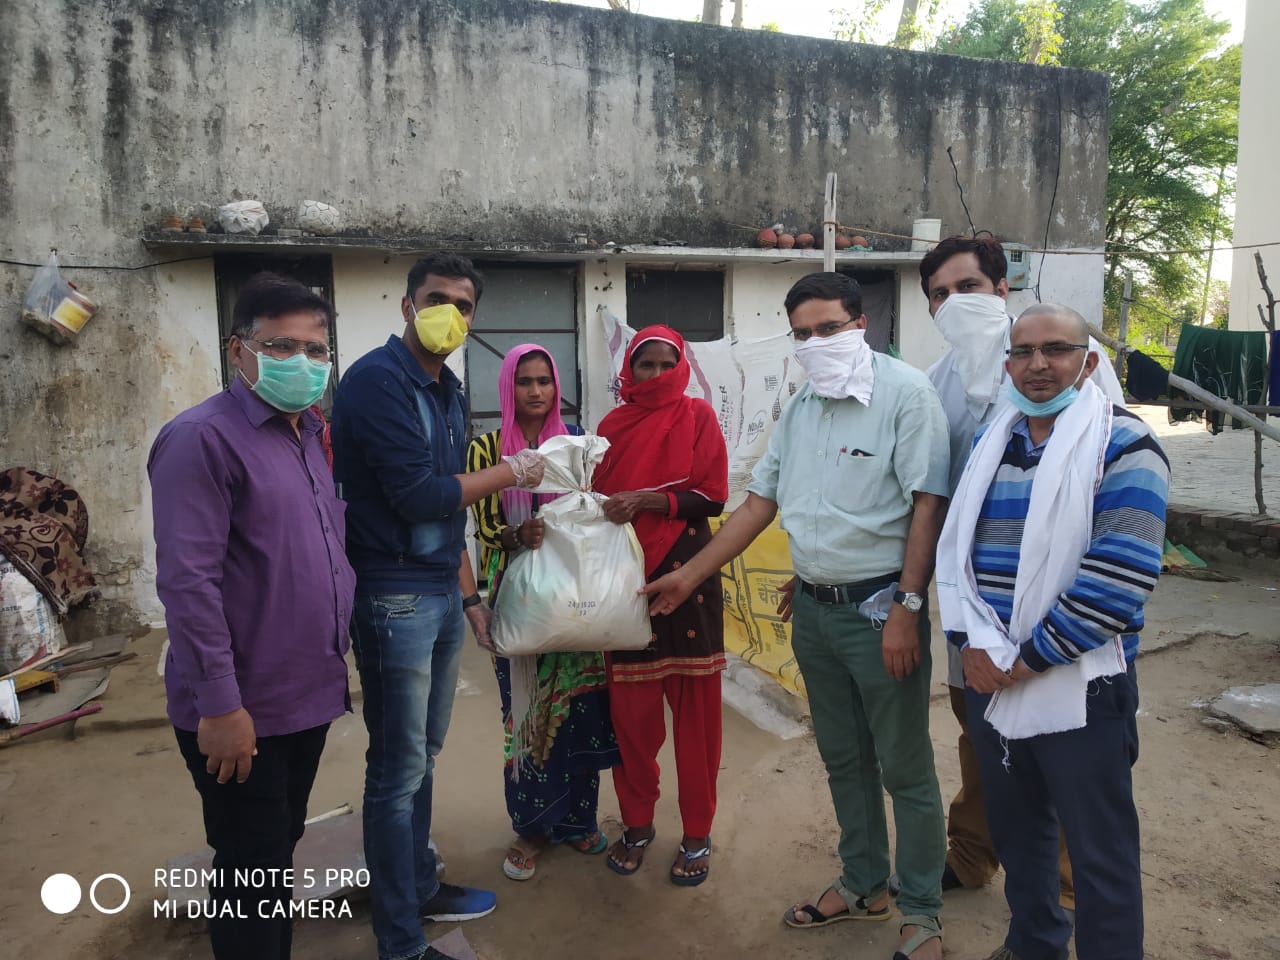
(656, 444)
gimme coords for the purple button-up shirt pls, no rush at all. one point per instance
(250, 566)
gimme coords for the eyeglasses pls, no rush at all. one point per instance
(821, 331)
(284, 347)
(1050, 351)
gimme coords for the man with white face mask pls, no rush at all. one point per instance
(858, 468)
(1051, 547)
(964, 281)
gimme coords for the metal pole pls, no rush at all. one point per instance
(829, 226)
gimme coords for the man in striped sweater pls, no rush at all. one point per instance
(1052, 548)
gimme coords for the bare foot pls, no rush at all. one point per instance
(628, 858)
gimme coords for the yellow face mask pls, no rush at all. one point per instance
(441, 329)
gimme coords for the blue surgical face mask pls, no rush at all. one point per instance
(1045, 408)
(290, 385)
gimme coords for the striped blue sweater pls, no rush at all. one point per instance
(1122, 564)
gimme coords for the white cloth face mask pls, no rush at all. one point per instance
(838, 366)
(976, 325)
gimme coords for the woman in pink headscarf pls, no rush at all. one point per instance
(561, 737)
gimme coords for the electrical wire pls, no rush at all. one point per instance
(973, 231)
(107, 266)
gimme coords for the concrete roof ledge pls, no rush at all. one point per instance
(240, 243)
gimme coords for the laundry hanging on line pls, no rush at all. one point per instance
(1228, 363)
(1145, 379)
(1274, 400)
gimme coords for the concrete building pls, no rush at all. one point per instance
(565, 149)
(1257, 188)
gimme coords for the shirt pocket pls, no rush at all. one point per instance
(857, 484)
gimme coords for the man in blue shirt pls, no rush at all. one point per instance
(1050, 550)
(399, 444)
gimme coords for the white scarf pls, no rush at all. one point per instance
(838, 366)
(1056, 535)
(976, 325)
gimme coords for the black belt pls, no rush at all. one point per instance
(832, 593)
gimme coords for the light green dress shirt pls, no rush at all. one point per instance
(843, 474)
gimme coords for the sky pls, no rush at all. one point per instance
(816, 18)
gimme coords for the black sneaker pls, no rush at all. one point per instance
(431, 953)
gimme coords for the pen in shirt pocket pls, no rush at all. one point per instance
(855, 452)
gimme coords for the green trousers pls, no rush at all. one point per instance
(873, 735)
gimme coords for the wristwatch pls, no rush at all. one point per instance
(472, 601)
(914, 602)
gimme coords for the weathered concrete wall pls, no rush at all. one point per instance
(508, 119)
(499, 120)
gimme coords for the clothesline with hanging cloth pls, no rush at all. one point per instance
(1231, 364)
(1195, 391)
(1274, 399)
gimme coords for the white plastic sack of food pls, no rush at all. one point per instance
(579, 590)
(29, 628)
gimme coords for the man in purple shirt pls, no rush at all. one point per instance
(252, 570)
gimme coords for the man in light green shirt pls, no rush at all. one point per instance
(858, 468)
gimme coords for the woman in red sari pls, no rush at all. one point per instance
(666, 473)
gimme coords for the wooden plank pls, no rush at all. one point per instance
(60, 655)
(34, 680)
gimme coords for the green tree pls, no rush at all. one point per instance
(917, 22)
(1175, 93)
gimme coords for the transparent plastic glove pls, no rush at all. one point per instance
(527, 466)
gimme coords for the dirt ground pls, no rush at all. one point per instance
(117, 799)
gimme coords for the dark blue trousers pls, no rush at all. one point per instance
(1082, 780)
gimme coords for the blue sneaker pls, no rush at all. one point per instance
(452, 904)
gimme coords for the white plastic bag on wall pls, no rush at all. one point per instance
(29, 629)
(578, 591)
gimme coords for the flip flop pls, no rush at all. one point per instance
(517, 866)
(583, 844)
(820, 919)
(630, 845)
(691, 880)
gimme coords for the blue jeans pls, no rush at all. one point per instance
(407, 651)
(1082, 780)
